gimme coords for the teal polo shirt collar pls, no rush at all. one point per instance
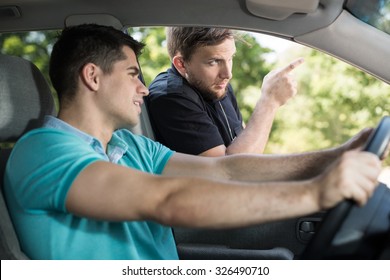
(116, 148)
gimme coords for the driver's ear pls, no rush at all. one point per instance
(90, 76)
(179, 64)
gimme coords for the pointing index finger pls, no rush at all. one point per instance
(292, 65)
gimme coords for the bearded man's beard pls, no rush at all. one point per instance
(207, 93)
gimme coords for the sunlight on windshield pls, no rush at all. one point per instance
(373, 12)
(384, 177)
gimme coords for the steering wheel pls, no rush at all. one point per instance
(343, 227)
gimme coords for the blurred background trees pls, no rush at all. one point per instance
(33, 46)
(334, 100)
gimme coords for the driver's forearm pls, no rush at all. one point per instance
(213, 204)
(277, 167)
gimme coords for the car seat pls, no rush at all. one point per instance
(25, 98)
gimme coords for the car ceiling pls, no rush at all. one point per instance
(325, 25)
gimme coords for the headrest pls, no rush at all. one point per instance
(25, 97)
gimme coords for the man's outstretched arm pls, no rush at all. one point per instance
(278, 87)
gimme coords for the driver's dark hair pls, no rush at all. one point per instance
(186, 40)
(87, 43)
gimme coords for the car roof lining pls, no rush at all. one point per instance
(227, 13)
(350, 47)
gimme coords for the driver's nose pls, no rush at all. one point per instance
(142, 89)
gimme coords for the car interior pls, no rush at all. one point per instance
(25, 97)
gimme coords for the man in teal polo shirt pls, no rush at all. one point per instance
(83, 187)
(45, 228)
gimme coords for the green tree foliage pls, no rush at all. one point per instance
(33, 46)
(154, 58)
(334, 102)
(249, 69)
(250, 65)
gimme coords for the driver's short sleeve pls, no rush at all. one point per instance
(46, 163)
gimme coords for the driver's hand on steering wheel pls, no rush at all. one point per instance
(353, 176)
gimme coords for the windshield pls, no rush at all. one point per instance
(373, 12)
